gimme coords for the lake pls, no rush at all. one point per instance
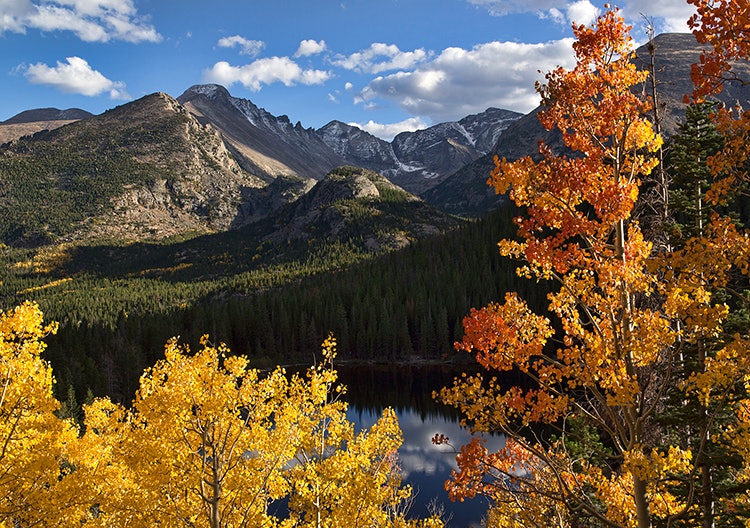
(408, 389)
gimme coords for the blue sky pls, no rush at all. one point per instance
(385, 65)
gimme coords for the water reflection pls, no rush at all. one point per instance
(408, 390)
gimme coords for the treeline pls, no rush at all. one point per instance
(389, 308)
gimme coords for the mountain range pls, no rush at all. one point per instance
(270, 146)
(207, 162)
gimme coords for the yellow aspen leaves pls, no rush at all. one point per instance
(207, 442)
(35, 444)
(211, 442)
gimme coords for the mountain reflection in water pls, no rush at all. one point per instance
(408, 390)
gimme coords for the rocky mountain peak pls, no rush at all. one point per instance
(212, 91)
(265, 145)
(143, 110)
(270, 146)
(358, 147)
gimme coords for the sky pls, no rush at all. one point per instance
(384, 65)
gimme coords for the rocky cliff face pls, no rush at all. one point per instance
(201, 187)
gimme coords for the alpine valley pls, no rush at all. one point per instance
(206, 214)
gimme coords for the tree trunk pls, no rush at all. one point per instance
(641, 503)
(708, 497)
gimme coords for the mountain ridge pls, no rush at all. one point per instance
(149, 170)
(47, 114)
(415, 160)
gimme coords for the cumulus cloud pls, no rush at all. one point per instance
(582, 12)
(247, 46)
(310, 47)
(380, 57)
(460, 81)
(668, 15)
(89, 20)
(265, 71)
(390, 130)
(75, 76)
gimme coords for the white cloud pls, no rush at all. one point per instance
(582, 12)
(668, 15)
(310, 47)
(264, 71)
(90, 20)
(556, 15)
(391, 130)
(381, 57)
(348, 86)
(13, 13)
(75, 76)
(460, 82)
(506, 7)
(247, 46)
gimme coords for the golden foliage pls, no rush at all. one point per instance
(207, 442)
(623, 316)
(35, 444)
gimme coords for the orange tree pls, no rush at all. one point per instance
(722, 382)
(724, 27)
(583, 445)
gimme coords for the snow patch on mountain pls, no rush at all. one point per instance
(415, 160)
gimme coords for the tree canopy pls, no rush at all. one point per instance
(585, 442)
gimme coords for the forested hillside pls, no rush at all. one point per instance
(402, 304)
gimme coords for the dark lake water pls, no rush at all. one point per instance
(408, 389)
